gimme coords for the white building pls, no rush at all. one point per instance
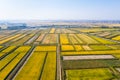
(3, 26)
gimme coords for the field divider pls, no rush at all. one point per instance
(58, 57)
(60, 71)
(12, 74)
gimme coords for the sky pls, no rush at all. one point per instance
(59, 9)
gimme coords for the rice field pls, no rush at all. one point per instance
(10, 38)
(103, 41)
(92, 52)
(60, 54)
(7, 69)
(67, 48)
(5, 51)
(99, 47)
(90, 74)
(49, 69)
(114, 46)
(64, 39)
(45, 48)
(1, 46)
(86, 47)
(32, 70)
(50, 39)
(87, 39)
(116, 38)
(95, 29)
(78, 47)
(74, 39)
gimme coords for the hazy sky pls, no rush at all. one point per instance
(60, 9)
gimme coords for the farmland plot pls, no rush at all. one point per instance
(23, 40)
(45, 31)
(16, 39)
(5, 61)
(87, 39)
(45, 48)
(90, 74)
(1, 47)
(86, 47)
(67, 48)
(58, 30)
(50, 39)
(63, 30)
(8, 33)
(116, 38)
(95, 29)
(78, 39)
(114, 46)
(32, 68)
(78, 47)
(8, 49)
(92, 52)
(23, 49)
(104, 34)
(64, 39)
(113, 34)
(68, 31)
(6, 36)
(80, 53)
(49, 69)
(7, 69)
(99, 47)
(74, 39)
(117, 56)
(90, 63)
(103, 41)
(8, 39)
